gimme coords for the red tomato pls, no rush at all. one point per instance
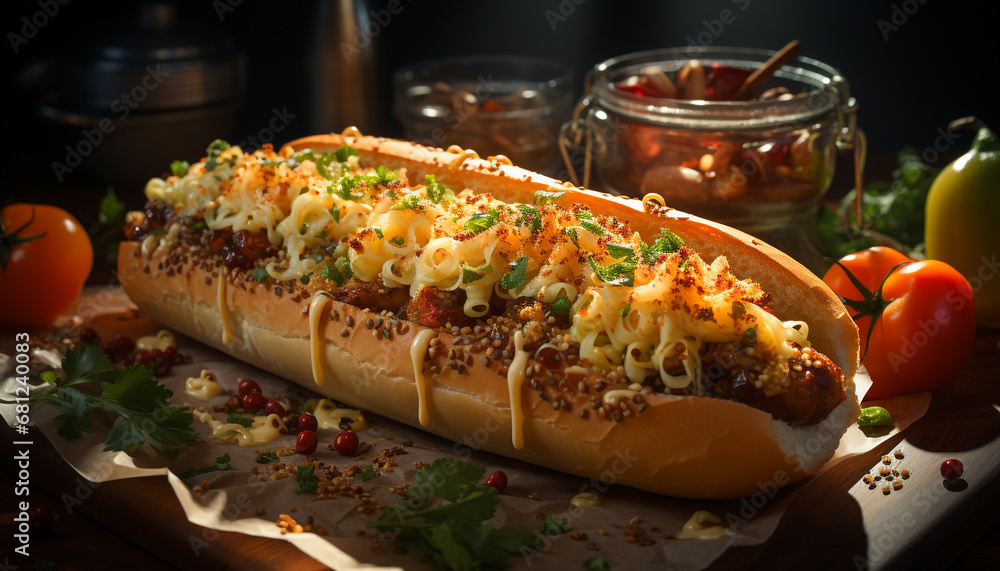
(47, 257)
(926, 325)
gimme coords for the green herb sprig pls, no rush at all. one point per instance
(133, 393)
(446, 519)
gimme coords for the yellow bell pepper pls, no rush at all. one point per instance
(963, 220)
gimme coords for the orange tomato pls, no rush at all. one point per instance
(46, 257)
(925, 324)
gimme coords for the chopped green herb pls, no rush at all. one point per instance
(483, 220)
(213, 152)
(335, 273)
(266, 457)
(553, 526)
(454, 532)
(305, 278)
(378, 232)
(750, 337)
(547, 197)
(529, 216)
(260, 275)
(411, 202)
(305, 480)
(335, 212)
(199, 226)
(221, 463)
(343, 152)
(619, 273)
(572, 231)
(471, 274)
(624, 311)
(593, 228)
(584, 215)
(397, 240)
(517, 276)
(383, 175)
(437, 192)
(179, 168)
(368, 474)
(237, 418)
(667, 243)
(562, 305)
(620, 251)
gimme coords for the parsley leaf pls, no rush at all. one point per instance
(624, 311)
(518, 275)
(453, 533)
(750, 337)
(368, 474)
(335, 212)
(592, 227)
(596, 564)
(483, 220)
(305, 480)
(411, 202)
(620, 251)
(667, 243)
(562, 305)
(266, 457)
(221, 463)
(471, 274)
(397, 240)
(547, 196)
(260, 275)
(237, 418)
(133, 393)
(619, 273)
(438, 192)
(530, 216)
(383, 175)
(343, 152)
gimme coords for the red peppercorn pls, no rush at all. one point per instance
(246, 387)
(346, 442)
(253, 402)
(274, 407)
(307, 422)
(306, 442)
(952, 470)
(497, 480)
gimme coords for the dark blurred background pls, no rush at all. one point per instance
(914, 65)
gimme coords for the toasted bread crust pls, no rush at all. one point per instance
(682, 446)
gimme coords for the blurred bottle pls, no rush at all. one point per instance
(345, 67)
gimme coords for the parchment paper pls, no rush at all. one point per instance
(241, 501)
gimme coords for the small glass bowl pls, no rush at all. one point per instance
(494, 105)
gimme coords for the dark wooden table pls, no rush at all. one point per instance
(830, 522)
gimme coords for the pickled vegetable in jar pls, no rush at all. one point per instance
(674, 123)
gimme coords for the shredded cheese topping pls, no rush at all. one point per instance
(633, 306)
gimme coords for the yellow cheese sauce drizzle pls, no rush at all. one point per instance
(316, 308)
(515, 380)
(227, 330)
(702, 525)
(421, 342)
(265, 429)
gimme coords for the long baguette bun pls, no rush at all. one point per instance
(690, 447)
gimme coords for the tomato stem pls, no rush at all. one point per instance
(871, 305)
(8, 241)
